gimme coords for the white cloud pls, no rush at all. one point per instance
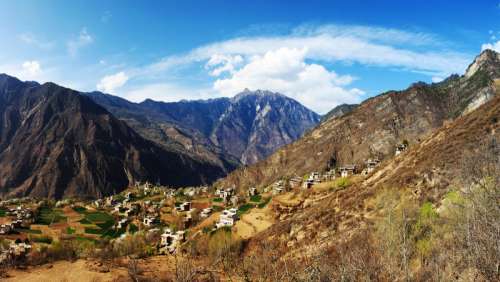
(436, 79)
(285, 71)
(32, 68)
(110, 83)
(83, 39)
(336, 43)
(28, 70)
(299, 64)
(30, 39)
(492, 46)
(221, 64)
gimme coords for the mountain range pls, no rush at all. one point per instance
(228, 131)
(56, 142)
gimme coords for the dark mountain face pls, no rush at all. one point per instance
(224, 131)
(257, 123)
(375, 127)
(57, 143)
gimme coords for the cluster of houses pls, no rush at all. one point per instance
(22, 217)
(16, 250)
(225, 194)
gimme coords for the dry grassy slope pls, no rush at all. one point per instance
(435, 162)
(377, 125)
(316, 225)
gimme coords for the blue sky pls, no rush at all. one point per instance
(321, 53)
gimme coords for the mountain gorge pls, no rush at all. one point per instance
(227, 131)
(57, 143)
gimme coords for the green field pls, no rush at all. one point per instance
(255, 198)
(102, 224)
(28, 231)
(47, 216)
(244, 208)
(42, 239)
(70, 230)
(79, 209)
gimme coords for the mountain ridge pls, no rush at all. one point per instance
(207, 126)
(57, 143)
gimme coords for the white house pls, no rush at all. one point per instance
(252, 191)
(170, 241)
(227, 218)
(347, 170)
(400, 148)
(149, 220)
(206, 212)
(371, 164)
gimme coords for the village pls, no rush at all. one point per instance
(176, 216)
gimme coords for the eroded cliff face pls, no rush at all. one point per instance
(257, 123)
(57, 143)
(375, 127)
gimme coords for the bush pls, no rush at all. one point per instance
(132, 228)
(217, 200)
(341, 183)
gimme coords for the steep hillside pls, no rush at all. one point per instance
(375, 127)
(321, 221)
(57, 143)
(244, 129)
(437, 160)
(175, 126)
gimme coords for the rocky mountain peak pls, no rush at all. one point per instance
(488, 60)
(257, 94)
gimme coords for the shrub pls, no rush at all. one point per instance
(132, 228)
(341, 183)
